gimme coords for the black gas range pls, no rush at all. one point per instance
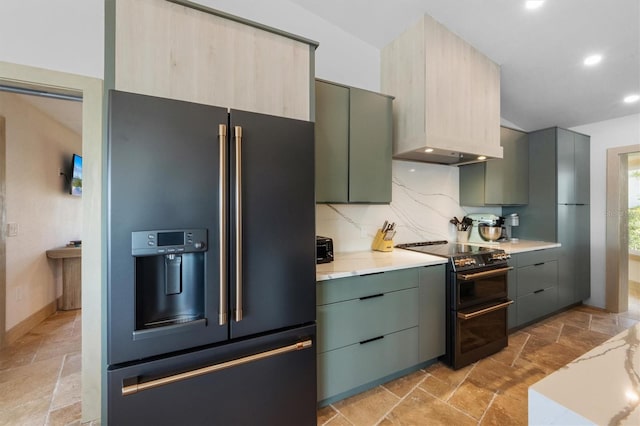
(477, 302)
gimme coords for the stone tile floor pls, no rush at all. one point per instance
(40, 376)
(492, 391)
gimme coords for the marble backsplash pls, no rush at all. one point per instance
(424, 199)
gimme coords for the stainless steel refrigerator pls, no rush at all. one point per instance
(211, 265)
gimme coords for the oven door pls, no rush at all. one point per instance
(480, 331)
(480, 287)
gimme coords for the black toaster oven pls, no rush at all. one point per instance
(324, 249)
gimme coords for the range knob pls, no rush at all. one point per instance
(465, 261)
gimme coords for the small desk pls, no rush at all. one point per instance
(71, 276)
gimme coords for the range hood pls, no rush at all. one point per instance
(447, 96)
(442, 156)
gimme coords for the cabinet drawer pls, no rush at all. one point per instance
(343, 369)
(537, 256)
(341, 289)
(535, 305)
(345, 323)
(538, 276)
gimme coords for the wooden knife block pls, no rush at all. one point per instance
(379, 244)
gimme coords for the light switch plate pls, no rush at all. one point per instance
(12, 229)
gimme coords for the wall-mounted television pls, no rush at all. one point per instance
(76, 175)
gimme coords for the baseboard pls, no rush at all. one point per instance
(27, 324)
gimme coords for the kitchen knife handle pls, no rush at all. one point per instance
(222, 222)
(238, 138)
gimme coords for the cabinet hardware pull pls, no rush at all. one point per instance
(139, 387)
(371, 273)
(538, 264)
(222, 223)
(481, 312)
(485, 274)
(538, 291)
(238, 260)
(371, 340)
(372, 296)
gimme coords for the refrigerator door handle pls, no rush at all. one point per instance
(238, 217)
(222, 225)
(135, 387)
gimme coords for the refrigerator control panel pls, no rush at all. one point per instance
(169, 241)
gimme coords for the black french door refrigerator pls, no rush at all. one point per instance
(211, 266)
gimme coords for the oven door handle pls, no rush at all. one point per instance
(484, 274)
(493, 308)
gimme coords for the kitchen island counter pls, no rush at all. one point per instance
(356, 263)
(600, 387)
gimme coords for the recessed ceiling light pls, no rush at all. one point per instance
(533, 4)
(428, 150)
(592, 60)
(631, 99)
(412, 170)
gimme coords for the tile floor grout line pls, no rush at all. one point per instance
(452, 406)
(513, 363)
(55, 388)
(338, 412)
(486, 410)
(560, 332)
(335, 414)
(462, 381)
(401, 399)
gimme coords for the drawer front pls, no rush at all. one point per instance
(535, 305)
(536, 277)
(345, 323)
(346, 368)
(341, 289)
(537, 256)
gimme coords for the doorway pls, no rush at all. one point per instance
(93, 271)
(633, 172)
(42, 133)
(617, 228)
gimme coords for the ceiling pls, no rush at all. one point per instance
(543, 80)
(67, 113)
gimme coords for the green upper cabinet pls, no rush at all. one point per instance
(499, 181)
(573, 167)
(353, 145)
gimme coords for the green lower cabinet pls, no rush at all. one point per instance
(432, 312)
(344, 369)
(538, 304)
(535, 278)
(369, 317)
(375, 326)
(512, 293)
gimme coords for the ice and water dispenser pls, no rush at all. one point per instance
(169, 277)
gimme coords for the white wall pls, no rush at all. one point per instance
(38, 201)
(62, 35)
(619, 132)
(424, 199)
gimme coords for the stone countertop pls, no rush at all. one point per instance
(367, 262)
(349, 264)
(600, 387)
(520, 246)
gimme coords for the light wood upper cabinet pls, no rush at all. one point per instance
(165, 49)
(447, 95)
